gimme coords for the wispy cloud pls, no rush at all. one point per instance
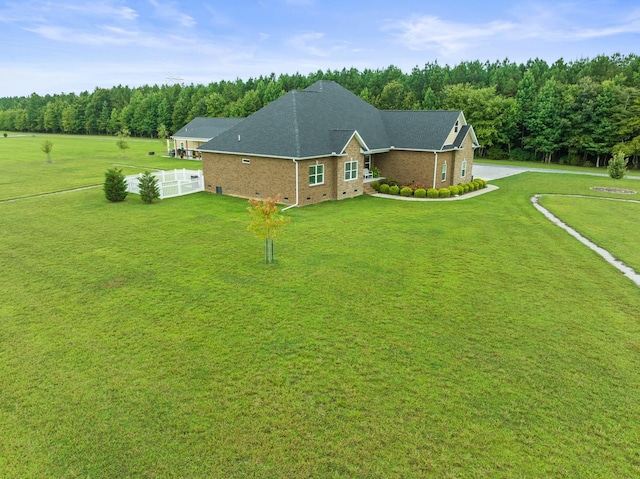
(549, 23)
(430, 32)
(312, 43)
(172, 12)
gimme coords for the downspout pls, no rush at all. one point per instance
(297, 188)
(435, 168)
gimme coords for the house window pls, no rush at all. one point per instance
(455, 128)
(350, 170)
(463, 173)
(316, 175)
(444, 172)
(367, 162)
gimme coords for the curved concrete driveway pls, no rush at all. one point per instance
(495, 172)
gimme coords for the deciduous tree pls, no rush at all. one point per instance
(46, 147)
(266, 223)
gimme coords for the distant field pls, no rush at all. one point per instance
(391, 339)
(77, 161)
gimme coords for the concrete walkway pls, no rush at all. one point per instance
(608, 257)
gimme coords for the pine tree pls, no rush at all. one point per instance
(115, 185)
(148, 186)
(617, 166)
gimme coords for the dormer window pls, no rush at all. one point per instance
(457, 126)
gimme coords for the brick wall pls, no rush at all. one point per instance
(352, 187)
(259, 178)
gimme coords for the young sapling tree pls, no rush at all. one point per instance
(617, 166)
(46, 147)
(266, 223)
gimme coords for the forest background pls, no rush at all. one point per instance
(576, 113)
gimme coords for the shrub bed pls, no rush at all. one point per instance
(391, 187)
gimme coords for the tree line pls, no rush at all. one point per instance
(577, 112)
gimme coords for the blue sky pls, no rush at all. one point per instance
(76, 45)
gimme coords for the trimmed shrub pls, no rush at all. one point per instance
(462, 188)
(148, 186)
(454, 190)
(472, 186)
(420, 193)
(444, 193)
(432, 193)
(406, 191)
(394, 190)
(375, 185)
(384, 188)
(479, 183)
(115, 186)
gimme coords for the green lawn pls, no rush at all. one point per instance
(391, 339)
(600, 221)
(77, 161)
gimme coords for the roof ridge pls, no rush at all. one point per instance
(296, 127)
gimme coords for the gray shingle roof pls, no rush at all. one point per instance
(319, 120)
(205, 128)
(419, 129)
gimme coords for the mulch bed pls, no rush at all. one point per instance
(613, 190)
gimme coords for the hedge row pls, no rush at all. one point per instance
(410, 190)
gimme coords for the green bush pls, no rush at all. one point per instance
(472, 186)
(394, 190)
(115, 186)
(148, 186)
(375, 185)
(384, 188)
(406, 191)
(463, 188)
(420, 193)
(432, 193)
(444, 193)
(454, 190)
(392, 182)
(480, 183)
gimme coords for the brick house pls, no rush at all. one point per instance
(321, 144)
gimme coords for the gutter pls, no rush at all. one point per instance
(297, 187)
(435, 168)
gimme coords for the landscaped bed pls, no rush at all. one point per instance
(389, 186)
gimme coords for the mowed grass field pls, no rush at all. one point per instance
(391, 339)
(77, 161)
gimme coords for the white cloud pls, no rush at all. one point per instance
(172, 12)
(311, 43)
(540, 22)
(430, 32)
